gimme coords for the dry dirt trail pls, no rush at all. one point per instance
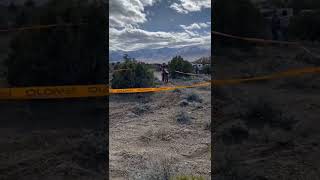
(144, 131)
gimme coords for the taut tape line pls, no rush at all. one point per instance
(54, 92)
(283, 74)
(255, 39)
(190, 74)
(101, 90)
(61, 92)
(266, 41)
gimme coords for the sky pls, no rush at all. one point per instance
(154, 24)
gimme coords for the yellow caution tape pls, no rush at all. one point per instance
(54, 92)
(100, 90)
(266, 41)
(190, 74)
(144, 90)
(255, 39)
(283, 74)
(58, 92)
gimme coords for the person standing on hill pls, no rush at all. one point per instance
(197, 69)
(275, 26)
(164, 73)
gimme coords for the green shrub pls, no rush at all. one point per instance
(179, 64)
(136, 75)
(193, 97)
(157, 169)
(207, 69)
(239, 17)
(62, 55)
(183, 118)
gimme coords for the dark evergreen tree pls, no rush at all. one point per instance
(179, 64)
(135, 75)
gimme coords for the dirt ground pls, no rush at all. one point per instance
(266, 130)
(51, 139)
(156, 135)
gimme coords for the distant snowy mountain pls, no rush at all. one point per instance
(162, 55)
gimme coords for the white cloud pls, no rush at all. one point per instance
(196, 26)
(131, 38)
(125, 16)
(128, 12)
(186, 6)
(203, 25)
(191, 27)
(178, 8)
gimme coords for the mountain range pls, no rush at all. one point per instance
(190, 53)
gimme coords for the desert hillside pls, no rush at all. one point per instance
(157, 134)
(270, 129)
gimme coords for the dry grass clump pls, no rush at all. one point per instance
(183, 103)
(193, 97)
(156, 169)
(183, 118)
(141, 109)
(161, 134)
